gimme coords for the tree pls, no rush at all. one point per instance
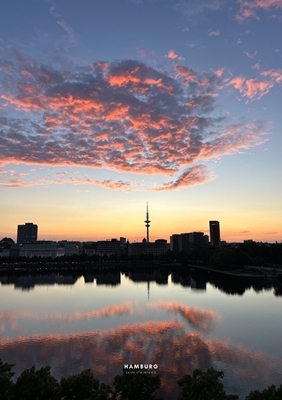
(6, 383)
(203, 386)
(227, 259)
(83, 387)
(271, 393)
(139, 386)
(37, 385)
(6, 242)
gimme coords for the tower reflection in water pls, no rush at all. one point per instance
(177, 346)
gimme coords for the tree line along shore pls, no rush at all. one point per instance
(39, 384)
(227, 258)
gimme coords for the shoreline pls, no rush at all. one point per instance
(266, 274)
(71, 267)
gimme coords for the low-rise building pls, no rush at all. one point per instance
(70, 248)
(39, 249)
(109, 247)
(154, 248)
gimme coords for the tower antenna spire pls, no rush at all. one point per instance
(147, 223)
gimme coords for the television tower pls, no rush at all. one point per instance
(147, 223)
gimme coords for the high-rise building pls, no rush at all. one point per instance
(215, 233)
(175, 242)
(27, 233)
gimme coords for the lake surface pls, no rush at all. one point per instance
(178, 321)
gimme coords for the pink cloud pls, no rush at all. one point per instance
(250, 55)
(238, 83)
(162, 342)
(171, 54)
(10, 318)
(219, 72)
(69, 31)
(232, 140)
(255, 89)
(14, 183)
(187, 74)
(249, 8)
(203, 320)
(124, 116)
(110, 184)
(190, 177)
(256, 66)
(144, 53)
(274, 74)
(62, 179)
(6, 66)
(214, 33)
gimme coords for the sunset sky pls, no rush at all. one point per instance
(107, 105)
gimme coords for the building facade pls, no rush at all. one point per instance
(215, 233)
(109, 247)
(188, 242)
(40, 249)
(27, 233)
(153, 248)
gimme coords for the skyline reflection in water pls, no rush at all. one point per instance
(169, 326)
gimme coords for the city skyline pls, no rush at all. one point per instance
(106, 106)
(29, 232)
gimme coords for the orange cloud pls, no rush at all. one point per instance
(172, 55)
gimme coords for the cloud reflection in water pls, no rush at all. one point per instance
(175, 349)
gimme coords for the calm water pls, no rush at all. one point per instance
(179, 322)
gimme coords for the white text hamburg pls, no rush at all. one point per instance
(140, 366)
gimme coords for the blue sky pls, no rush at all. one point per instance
(107, 105)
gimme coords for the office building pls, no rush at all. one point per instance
(109, 247)
(153, 248)
(197, 241)
(175, 243)
(27, 233)
(188, 242)
(214, 233)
